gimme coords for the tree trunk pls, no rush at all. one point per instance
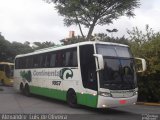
(91, 30)
(79, 26)
(81, 30)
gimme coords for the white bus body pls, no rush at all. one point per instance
(95, 74)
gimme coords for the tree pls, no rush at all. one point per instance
(20, 48)
(8, 50)
(100, 37)
(93, 12)
(39, 45)
(140, 40)
(146, 45)
(111, 31)
(5, 49)
(72, 40)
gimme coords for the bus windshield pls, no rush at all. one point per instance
(119, 69)
(9, 71)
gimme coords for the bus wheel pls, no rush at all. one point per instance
(21, 88)
(72, 98)
(27, 91)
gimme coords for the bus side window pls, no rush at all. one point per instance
(63, 59)
(42, 60)
(27, 62)
(67, 59)
(30, 62)
(47, 60)
(35, 61)
(22, 64)
(70, 58)
(1, 67)
(7, 71)
(53, 60)
(59, 59)
(18, 63)
(74, 59)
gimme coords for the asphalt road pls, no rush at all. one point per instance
(12, 101)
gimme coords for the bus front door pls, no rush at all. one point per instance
(89, 75)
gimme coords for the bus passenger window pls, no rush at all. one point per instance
(59, 59)
(53, 60)
(35, 62)
(67, 59)
(70, 58)
(30, 62)
(74, 59)
(47, 61)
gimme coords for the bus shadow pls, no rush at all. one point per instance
(47, 99)
(102, 111)
(108, 111)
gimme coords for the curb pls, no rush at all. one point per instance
(147, 103)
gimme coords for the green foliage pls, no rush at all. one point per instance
(8, 50)
(147, 45)
(149, 87)
(39, 45)
(97, 37)
(19, 48)
(73, 40)
(5, 49)
(105, 38)
(93, 12)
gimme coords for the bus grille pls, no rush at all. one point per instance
(122, 93)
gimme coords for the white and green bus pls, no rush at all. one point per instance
(95, 74)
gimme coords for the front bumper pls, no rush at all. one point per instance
(108, 102)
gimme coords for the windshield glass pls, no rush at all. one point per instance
(9, 71)
(12, 70)
(119, 70)
(114, 51)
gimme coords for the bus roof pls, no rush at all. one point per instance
(68, 46)
(6, 63)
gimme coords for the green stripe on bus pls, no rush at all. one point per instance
(87, 99)
(83, 99)
(52, 93)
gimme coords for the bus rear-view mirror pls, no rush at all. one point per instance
(140, 64)
(100, 61)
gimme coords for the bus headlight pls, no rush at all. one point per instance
(135, 93)
(105, 94)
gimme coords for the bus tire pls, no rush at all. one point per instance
(27, 90)
(21, 88)
(72, 98)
